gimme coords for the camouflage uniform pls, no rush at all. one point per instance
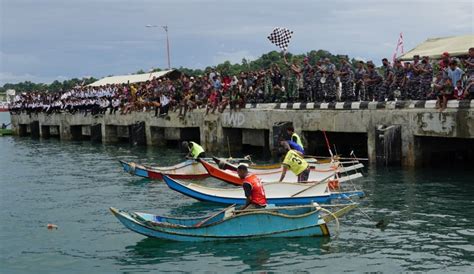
(425, 81)
(330, 84)
(398, 83)
(372, 89)
(413, 84)
(307, 82)
(347, 91)
(385, 91)
(359, 84)
(317, 86)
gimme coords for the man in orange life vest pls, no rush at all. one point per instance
(253, 188)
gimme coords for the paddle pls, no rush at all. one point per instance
(213, 215)
(315, 184)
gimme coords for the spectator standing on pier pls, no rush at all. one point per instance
(385, 91)
(317, 86)
(359, 88)
(372, 82)
(469, 64)
(413, 79)
(426, 78)
(307, 79)
(329, 85)
(444, 63)
(397, 88)
(454, 73)
(347, 80)
(294, 77)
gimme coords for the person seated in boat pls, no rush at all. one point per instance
(4, 126)
(295, 162)
(292, 145)
(294, 137)
(253, 188)
(195, 150)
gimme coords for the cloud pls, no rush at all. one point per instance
(8, 77)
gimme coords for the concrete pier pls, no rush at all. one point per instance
(406, 133)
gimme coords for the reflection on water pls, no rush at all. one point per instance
(247, 255)
(72, 184)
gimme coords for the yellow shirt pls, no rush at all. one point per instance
(196, 150)
(295, 162)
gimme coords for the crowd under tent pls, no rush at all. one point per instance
(137, 78)
(434, 47)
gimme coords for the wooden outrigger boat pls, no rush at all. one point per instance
(273, 175)
(192, 169)
(189, 169)
(277, 193)
(229, 224)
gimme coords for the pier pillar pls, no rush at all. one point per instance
(155, 136)
(137, 134)
(109, 134)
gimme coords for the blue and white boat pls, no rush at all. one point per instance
(278, 193)
(228, 224)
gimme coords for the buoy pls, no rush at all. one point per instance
(52, 226)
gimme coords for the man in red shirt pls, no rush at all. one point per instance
(253, 188)
(444, 63)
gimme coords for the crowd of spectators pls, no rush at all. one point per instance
(421, 79)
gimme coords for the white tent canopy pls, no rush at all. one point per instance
(434, 47)
(133, 78)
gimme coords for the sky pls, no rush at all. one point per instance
(47, 40)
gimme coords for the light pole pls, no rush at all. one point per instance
(167, 42)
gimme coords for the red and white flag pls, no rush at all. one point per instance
(399, 46)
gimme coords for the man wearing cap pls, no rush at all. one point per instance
(359, 74)
(398, 82)
(426, 77)
(373, 81)
(444, 63)
(330, 84)
(296, 163)
(293, 136)
(253, 189)
(307, 78)
(385, 91)
(195, 150)
(346, 75)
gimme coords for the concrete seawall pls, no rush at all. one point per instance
(406, 133)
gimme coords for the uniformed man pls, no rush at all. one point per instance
(426, 77)
(397, 88)
(346, 75)
(413, 79)
(317, 86)
(253, 188)
(195, 150)
(297, 164)
(359, 90)
(329, 70)
(293, 136)
(372, 82)
(307, 80)
(385, 91)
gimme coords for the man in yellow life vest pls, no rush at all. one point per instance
(195, 150)
(296, 163)
(294, 137)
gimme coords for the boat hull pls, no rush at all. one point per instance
(319, 194)
(189, 170)
(241, 226)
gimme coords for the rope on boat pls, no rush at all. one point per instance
(335, 218)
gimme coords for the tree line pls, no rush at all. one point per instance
(263, 62)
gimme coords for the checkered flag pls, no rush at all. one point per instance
(281, 37)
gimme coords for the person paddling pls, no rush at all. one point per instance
(253, 188)
(195, 150)
(295, 162)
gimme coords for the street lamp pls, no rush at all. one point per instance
(167, 41)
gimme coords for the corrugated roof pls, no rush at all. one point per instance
(134, 78)
(434, 47)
